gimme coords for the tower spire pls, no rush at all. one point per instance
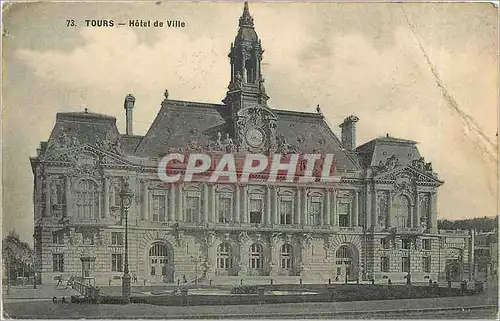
(246, 19)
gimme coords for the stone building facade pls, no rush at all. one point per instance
(377, 221)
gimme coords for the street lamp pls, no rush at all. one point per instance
(126, 200)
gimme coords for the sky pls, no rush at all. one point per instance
(421, 71)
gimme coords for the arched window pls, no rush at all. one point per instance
(401, 206)
(87, 199)
(286, 256)
(224, 256)
(158, 258)
(343, 253)
(256, 260)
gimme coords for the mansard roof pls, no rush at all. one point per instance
(379, 150)
(180, 123)
(78, 128)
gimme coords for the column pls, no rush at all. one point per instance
(180, 209)
(389, 210)
(327, 208)
(205, 203)
(171, 203)
(144, 200)
(236, 214)
(298, 206)
(274, 211)
(267, 206)
(334, 201)
(212, 204)
(356, 209)
(105, 210)
(368, 207)
(48, 182)
(67, 192)
(374, 207)
(416, 218)
(304, 206)
(244, 211)
(434, 212)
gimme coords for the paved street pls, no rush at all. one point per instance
(445, 308)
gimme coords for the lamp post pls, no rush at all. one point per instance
(126, 200)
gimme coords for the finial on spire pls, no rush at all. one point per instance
(246, 19)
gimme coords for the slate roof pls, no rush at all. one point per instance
(78, 128)
(380, 149)
(129, 143)
(180, 122)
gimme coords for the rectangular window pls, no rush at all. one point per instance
(153, 270)
(426, 244)
(406, 244)
(384, 264)
(344, 214)
(57, 237)
(116, 262)
(224, 209)
(58, 262)
(158, 208)
(384, 243)
(315, 213)
(286, 212)
(255, 210)
(192, 209)
(405, 264)
(116, 238)
(88, 238)
(426, 264)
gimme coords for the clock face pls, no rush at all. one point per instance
(254, 137)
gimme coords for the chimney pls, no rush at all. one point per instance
(129, 106)
(349, 132)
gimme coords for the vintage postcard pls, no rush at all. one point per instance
(249, 160)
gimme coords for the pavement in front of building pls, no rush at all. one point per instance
(410, 308)
(42, 292)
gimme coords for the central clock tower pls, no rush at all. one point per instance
(253, 124)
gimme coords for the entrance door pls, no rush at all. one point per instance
(160, 264)
(346, 264)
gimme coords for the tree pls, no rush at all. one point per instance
(485, 224)
(18, 256)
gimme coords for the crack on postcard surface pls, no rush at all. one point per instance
(486, 146)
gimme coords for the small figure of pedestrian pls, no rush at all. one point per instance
(430, 282)
(134, 277)
(337, 278)
(389, 282)
(59, 280)
(184, 278)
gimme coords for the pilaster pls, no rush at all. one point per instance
(237, 204)
(105, 210)
(171, 196)
(67, 192)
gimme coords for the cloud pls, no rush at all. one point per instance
(349, 58)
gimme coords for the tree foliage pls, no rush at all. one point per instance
(484, 224)
(18, 256)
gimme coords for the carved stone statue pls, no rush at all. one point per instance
(392, 162)
(238, 79)
(229, 144)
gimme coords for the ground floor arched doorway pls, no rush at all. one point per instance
(161, 263)
(346, 263)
